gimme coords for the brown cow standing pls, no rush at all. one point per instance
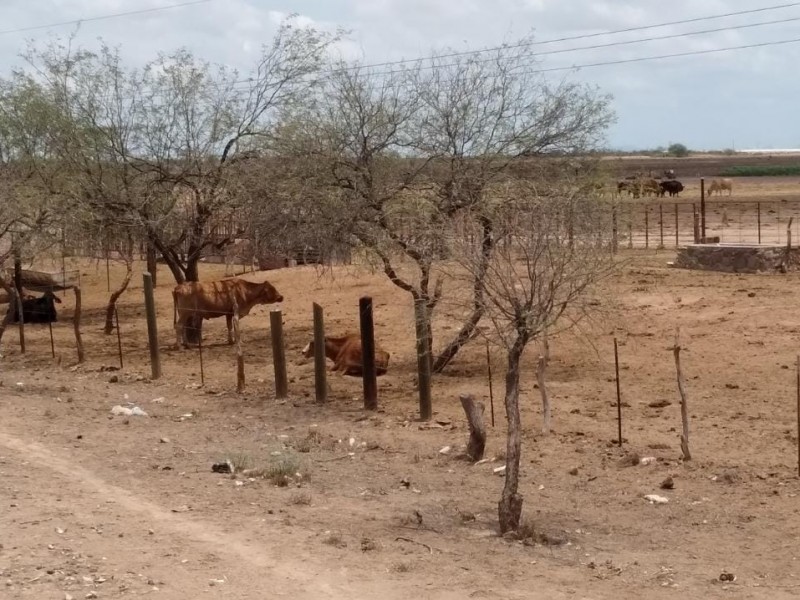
(345, 352)
(195, 301)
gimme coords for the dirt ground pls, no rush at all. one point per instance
(96, 505)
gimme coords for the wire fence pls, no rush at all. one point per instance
(672, 224)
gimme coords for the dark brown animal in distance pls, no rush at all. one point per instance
(195, 301)
(345, 352)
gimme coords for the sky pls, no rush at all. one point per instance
(739, 99)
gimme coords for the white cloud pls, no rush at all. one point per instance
(696, 100)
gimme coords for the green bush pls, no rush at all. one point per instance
(761, 171)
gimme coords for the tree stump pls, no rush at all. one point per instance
(477, 429)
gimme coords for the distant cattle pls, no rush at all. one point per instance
(672, 187)
(195, 301)
(717, 185)
(39, 310)
(649, 187)
(345, 352)
(669, 174)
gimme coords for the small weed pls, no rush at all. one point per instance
(240, 461)
(335, 539)
(368, 545)
(300, 498)
(400, 567)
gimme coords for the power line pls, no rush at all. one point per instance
(104, 17)
(662, 56)
(592, 47)
(583, 36)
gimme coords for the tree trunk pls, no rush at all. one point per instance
(510, 505)
(112, 301)
(192, 270)
(467, 330)
(12, 305)
(477, 430)
(421, 326)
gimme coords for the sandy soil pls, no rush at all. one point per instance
(128, 506)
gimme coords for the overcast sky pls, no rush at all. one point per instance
(743, 98)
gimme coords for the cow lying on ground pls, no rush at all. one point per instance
(195, 301)
(672, 186)
(39, 310)
(345, 352)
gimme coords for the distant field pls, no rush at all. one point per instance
(705, 165)
(761, 171)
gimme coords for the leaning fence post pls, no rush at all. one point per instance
(278, 354)
(76, 322)
(152, 327)
(119, 337)
(320, 383)
(368, 371)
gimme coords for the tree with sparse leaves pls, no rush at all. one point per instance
(552, 248)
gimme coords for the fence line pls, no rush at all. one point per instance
(671, 224)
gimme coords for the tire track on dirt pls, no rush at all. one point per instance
(299, 579)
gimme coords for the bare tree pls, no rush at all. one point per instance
(482, 116)
(550, 252)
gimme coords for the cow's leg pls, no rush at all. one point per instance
(180, 323)
(229, 321)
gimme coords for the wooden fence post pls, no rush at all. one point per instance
(152, 326)
(614, 233)
(677, 227)
(684, 408)
(703, 208)
(368, 372)
(320, 383)
(758, 217)
(661, 223)
(619, 394)
(76, 322)
(278, 354)
(119, 336)
(237, 338)
(646, 226)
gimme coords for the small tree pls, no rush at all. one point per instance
(552, 248)
(678, 150)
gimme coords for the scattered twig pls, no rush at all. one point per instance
(410, 541)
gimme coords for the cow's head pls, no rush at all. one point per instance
(267, 294)
(51, 296)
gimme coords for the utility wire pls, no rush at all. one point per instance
(104, 17)
(585, 36)
(592, 47)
